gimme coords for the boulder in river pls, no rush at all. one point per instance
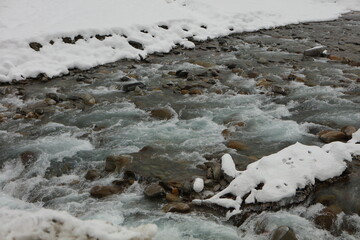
(28, 157)
(161, 113)
(116, 163)
(283, 233)
(104, 191)
(154, 191)
(318, 51)
(325, 219)
(236, 145)
(332, 136)
(88, 99)
(177, 207)
(132, 86)
(91, 175)
(348, 130)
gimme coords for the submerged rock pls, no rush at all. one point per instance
(88, 99)
(177, 207)
(325, 219)
(154, 191)
(236, 145)
(283, 233)
(104, 191)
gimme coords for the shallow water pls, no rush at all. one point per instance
(79, 137)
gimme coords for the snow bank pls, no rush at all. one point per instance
(282, 173)
(45, 21)
(50, 224)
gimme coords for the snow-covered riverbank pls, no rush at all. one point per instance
(102, 30)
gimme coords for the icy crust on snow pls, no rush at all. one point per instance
(50, 224)
(282, 173)
(42, 21)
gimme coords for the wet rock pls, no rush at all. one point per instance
(2, 117)
(116, 163)
(315, 51)
(177, 207)
(209, 183)
(162, 114)
(263, 83)
(88, 99)
(326, 199)
(283, 233)
(236, 145)
(325, 219)
(195, 92)
(53, 96)
(182, 74)
(103, 191)
(30, 115)
(50, 101)
(35, 45)
(216, 171)
(154, 191)
(28, 157)
(280, 90)
(230, 65)
(262, 60)
(332, 136)
(136, 45)
(91, 175)
(170, 197)
(132, 86)
(348, 130)
(186, 187)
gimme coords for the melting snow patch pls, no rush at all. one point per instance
(50, 224)
(284, 172)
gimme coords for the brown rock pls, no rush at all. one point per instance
(239, 124)
(195, 92)
(2, 117)
(172, 197)
(154, 191)
(177, 207)
(185, 91)
(116, 163)
(103, 191)
(348, 130)
(88, 99)
(283, 233)
(332, 136)
(236, 145)
(325, 220)
(263, 83)
(216, 171)
(91, 175)
(326, 199)
(162, 114)
(30, 115)
(28, 157)
(18, 116)
(226, 133)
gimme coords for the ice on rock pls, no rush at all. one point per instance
(50, 224)
(283, 172)
(198, 185)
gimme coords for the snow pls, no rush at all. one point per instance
(198, 185)
(42, 21)
(228, 166)
(284, 172)
(50, 224)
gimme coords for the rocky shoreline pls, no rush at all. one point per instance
(273, 59)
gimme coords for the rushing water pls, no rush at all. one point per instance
(68, 145)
